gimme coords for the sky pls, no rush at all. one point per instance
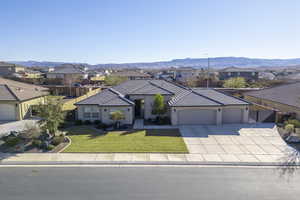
(122, 31)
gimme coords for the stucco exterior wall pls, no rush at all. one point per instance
(275, 105)
(24, 108)
(104, 113)
(148, 103)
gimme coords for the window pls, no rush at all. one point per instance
(87, 115)
(229, 73)
(95, 115)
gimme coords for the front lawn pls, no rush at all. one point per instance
(86, 139)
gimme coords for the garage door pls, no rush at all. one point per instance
(232, 115)
(7, 112)
(196, 117)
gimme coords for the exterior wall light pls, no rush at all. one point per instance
(219, 109)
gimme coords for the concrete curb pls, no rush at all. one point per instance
(166, 163)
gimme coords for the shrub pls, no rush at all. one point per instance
(57, 140)
(12, 141)
(78, 122)
(289, 128)
(294, 122)
(97, 122)
(50, 147)
(37, 143)
(87, 122)
(102, 126)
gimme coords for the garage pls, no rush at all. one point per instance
(232, 115)
(196, 117)
(8, 112)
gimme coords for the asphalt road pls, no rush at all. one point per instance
(128, 183)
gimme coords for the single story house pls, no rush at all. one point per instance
(285, 98)
(186, 106)
(17, 99)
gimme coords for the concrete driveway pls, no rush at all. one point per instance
(235, 142)
(6, 127)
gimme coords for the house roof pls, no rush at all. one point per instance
(131, 74)
(14, 90)
(108, 97)
(288, 94)
(68, 69)
(181, 96)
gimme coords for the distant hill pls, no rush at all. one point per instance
(32, 63)
(218, 62)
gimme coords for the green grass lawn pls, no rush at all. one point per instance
(86, 139)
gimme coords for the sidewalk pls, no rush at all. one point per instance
(146, 159)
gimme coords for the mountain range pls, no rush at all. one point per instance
(217, 62)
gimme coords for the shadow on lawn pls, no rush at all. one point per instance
(155, 132)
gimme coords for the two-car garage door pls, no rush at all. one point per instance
(196, 117)
(7, 112)
(208, 117)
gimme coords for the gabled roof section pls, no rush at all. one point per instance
(108, 97)
(220, 97)
(20, 91)
(151, 89)
(192, 98)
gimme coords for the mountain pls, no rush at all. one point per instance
(218, 62)
(32, 63)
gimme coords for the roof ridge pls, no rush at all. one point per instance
(178, 97)
(232, 96)
(10, 90)
(160, 87)
(207, 97)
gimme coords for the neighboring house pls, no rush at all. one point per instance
(285, 98)
(185, 73)
(69, 74)
(132, 75)
(233, 72)
(185, 106)
(17, 99)
(8, 69)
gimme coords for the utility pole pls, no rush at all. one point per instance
(207, 80)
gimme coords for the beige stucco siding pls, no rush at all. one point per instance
(104, 113)
(275, 105)
(24, 110)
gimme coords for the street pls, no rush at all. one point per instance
(64, 183)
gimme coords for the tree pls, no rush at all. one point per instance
(237, 82)
(51, 114)
(117, 116)
(114, 80)
(159, 107)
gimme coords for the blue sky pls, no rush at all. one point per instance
(105, 31)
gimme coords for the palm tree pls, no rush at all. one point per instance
(117, 116)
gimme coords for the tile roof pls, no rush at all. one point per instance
(108, 97)
(182, 96)
(14, 90)
(220, 97)
(288, 94)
